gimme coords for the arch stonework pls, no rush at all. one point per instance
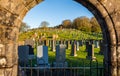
(12, 12)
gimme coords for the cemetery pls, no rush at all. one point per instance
(12, 13)
(54, 55)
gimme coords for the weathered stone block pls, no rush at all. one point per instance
(2, 72)
(2, 50)
(11, 54)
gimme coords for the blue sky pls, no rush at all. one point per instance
(54, 12)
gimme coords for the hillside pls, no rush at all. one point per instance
(62, 34)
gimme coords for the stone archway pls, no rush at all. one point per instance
(12, 12)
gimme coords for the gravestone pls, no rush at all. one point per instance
(71, 42)
(29, 42)
(96, 43)
(44, 42)
(66, 44)
(87, 44)
(57, 42)
(80, 42)
(47, 42)
(69, 45)
(61, 42)
(23, 52)
(53, 45)
(77, 46)
(40, 42)
(21, 43)
(60, 56)
(50, 43)
(73, 49)
(90, 52)
(31, 52)
(42, 55)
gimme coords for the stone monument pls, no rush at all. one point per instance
(90, 52)
(42, 55)
(60, 56)
(73, 49)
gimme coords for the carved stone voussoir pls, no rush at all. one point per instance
(3, 62)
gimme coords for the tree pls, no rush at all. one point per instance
(95, 26)
(44, 24)
(24, 27)
(66, 24)
(82, 23)
(76, 23)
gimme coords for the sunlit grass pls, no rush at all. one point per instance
(80, 59)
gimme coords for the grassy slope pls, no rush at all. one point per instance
(66, 34)
(63, 34)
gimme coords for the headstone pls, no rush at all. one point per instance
(60, 56)
(80, 42)
(40, 42)
(73, 49)
(87, 44)
(53, 45)
(50, 43)
(66, 44)
(61, 41)
(29, 42)
(47, 42)
(31, 50)
(23, 52)
(71, 42)
(20, 43)
(57, 42)
(91, 41)
(69, 45)
(42, 55)
(90, 52)
(60, 53)
(96, 43)
(77, 46)
(44, 42)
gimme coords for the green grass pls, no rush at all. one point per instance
(80, 59)
(63, 34)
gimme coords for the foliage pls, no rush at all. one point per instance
(24, 27)
(66, 24)
(81, 23)
(44, 24)
(95, 26)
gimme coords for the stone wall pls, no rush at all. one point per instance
(12, 12)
